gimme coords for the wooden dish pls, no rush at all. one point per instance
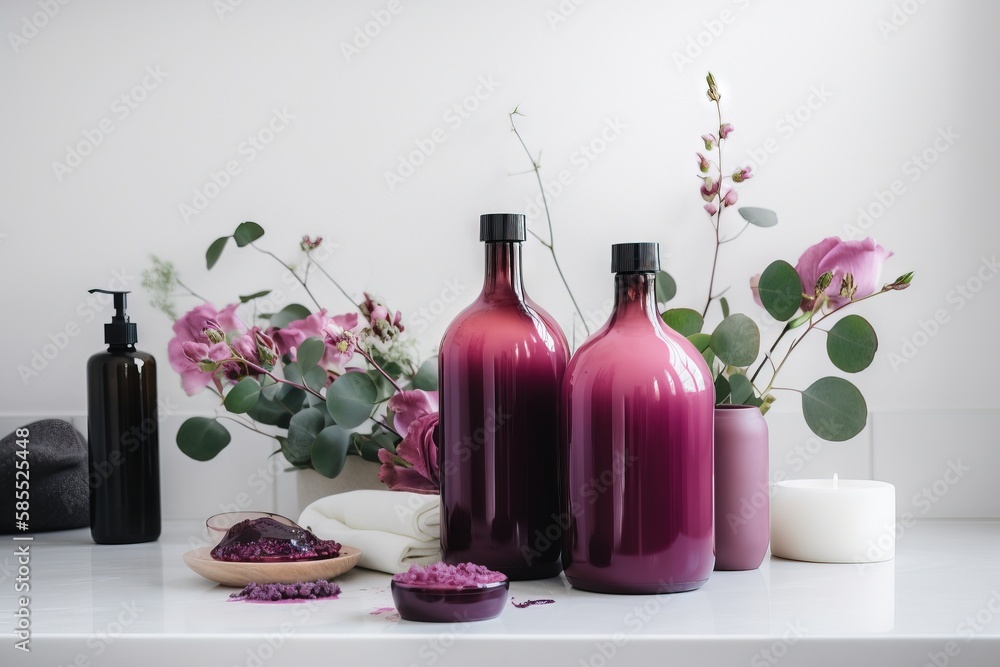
(230, 573)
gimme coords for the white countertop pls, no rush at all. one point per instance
(938, 603)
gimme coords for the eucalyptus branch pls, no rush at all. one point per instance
(551, 245)
(264, 371)
(248, 426)
(813, 322)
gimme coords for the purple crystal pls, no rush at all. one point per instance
(267, 540)
(302, 590)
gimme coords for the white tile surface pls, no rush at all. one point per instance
(808, 614)
(944, 465)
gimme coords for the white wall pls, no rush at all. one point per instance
(885, 79)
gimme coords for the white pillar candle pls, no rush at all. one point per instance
(833, 521)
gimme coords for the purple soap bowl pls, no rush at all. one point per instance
(449, 604)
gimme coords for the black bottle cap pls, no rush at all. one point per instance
(501, 227)
(119, 331)
(635, 257)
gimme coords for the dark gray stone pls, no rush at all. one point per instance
(59, 497)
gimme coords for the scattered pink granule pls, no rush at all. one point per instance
(302, 590)
(442, 575)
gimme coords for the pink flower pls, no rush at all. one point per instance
(742, 175)
(703, 163)
(338, 332)
(725, 130)
(710, 141)
(307, 244)
(711, 209)
(420, 451)
(410, 405)
(709, 188)
(202, 325)
(201, 361)
(385, 325)
(730, 198)
(856, 267)
(755, 290)
(340, 336)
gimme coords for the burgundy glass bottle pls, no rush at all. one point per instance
(638, 403)
(500, 370)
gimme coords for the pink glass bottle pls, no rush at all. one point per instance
(638, 403)
(500, 370)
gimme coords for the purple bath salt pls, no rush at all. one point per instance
(266, 540)
(442, 575)
(302, 590)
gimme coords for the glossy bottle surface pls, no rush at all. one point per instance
(124, 446)
(638, 404)
(501, 365)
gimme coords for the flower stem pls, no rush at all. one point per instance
(189, 290)
(551, 244)
(295, 275)
(718, 218)
(335, 283)
(248, 426)
(379, 369)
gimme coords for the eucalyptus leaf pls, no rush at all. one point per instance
(369, 449)
(309, 353)
(834, 409)
(247, 232)
(290, 398)
(684, 321)
(851, 344)
(351, 399)
(384, 388)
(295, 457)
(780, 290)
(215, 251)
(426, 377)
(759, 217)
(725, 307)
(700, 341)
(329, 451)
(202, 438)
(666, 287)
(290, 313)
(255, 295)
(243, 396)
(736, 341)
(723, 390)
(741, 388)
(302, 431)
(315, 378)
(270, 412)
(269, 387)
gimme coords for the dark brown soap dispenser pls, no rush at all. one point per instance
(124, 436)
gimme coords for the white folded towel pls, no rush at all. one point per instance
(393, 529)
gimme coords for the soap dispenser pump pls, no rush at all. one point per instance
(123, 430)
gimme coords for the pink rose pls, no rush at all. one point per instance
(861, 260)
(420, 451)
(201, 325)
(410, 405)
